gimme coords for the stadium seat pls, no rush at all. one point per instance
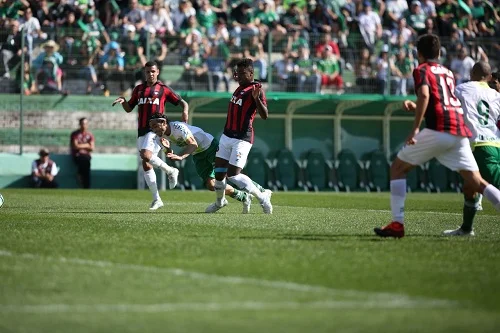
(288, 171)
(258, 168)
(315, 170)
(437, 176)
(190, 179)
(377, 171)
(347, 170)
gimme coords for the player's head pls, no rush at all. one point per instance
(481, 71)
(44, 154)
(244, 72)
(158, 122)
(151, 72)
(84, 123)
(494, 82)
(428, 47)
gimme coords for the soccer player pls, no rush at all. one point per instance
(445, 136)
(151, 96)
(82, 144)
(237, 138)
(494, 82)
(482, 112)
(202, 146)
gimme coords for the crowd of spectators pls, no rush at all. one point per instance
(302, 46)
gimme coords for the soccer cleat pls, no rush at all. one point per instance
(247, 202)
(172, 178)
(393, 229)
(215, 207)
(156, 204)
(458, 232)
(266, 205)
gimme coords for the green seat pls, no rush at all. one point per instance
(287, 170)
(437, 176)
(377, 168)
(190, 178)
(315, 170)
(347, 170)
(257, 167)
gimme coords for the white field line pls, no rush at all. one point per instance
(211, 306)
(380, 298)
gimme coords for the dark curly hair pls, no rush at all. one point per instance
(158, 115)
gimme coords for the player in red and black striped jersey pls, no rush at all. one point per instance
(236, 141)
(151, 96)
(445, 136)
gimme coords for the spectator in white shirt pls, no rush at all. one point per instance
(158, 17)
(369, 25)
(461, 66)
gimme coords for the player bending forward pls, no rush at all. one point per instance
(202, 146)
(445, 136)
(236, 141)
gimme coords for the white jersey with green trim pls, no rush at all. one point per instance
(481, 106)
(180, 132)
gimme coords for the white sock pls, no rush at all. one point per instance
(493, 195)
(220, 189)
(158, 163)
(150, 177)
(244, 182)
(398, 196)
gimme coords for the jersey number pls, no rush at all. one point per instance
(483, 108)
(448, 87)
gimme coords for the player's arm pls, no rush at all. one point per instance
(422, 102)
(185, 110)
(409, 106)
(121, 100)
(191, 146)
(261, 107)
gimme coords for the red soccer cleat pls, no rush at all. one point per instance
(393, 229)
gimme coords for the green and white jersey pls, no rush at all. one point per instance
(481, 106)
(180, 132)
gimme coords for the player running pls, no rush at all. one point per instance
(481, 106)
(202, 146)
(445, 136)
(237, 139)
(151, 96)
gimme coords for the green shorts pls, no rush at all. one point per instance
(204, 162)
(488, 161)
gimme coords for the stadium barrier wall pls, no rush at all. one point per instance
(299, 122)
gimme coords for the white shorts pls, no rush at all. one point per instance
(233, 150)
(452, 151)
(148, 142)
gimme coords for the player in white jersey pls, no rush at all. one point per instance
(202, 146)
(481, 106)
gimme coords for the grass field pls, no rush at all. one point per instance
(98, 261)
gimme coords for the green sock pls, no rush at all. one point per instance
(469, 211)
(238, 195)
(260, 188)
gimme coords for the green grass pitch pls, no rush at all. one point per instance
(99, 261)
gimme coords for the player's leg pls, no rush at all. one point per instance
(462, 159)
(149, 174)
(220, 163)
(237, 161)
(149, 153)
(426, 147)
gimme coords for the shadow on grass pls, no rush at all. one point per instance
(339, 237)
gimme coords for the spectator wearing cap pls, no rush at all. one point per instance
(47, 67)
(415, 17)
(112, 65)
(329, 69)
(44, 171)
(370, 25)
